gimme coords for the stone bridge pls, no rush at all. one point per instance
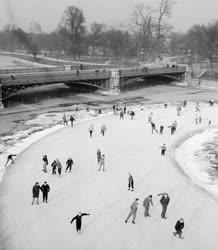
(109, 80)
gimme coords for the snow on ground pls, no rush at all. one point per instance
(129, 146)
(7, 62)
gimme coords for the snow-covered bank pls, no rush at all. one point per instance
(195, 161)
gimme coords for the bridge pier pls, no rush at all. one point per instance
(114, 82)
(1, 104)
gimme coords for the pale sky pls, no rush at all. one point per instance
(112, 12)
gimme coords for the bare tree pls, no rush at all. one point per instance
(204, 40)
(96, 35)
(142, 20)
(73, 25)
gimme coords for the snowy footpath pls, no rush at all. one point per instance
(128, 146)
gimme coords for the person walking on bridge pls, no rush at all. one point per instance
(133, 211)
(164, 201)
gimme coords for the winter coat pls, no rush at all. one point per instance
(179, 225)
(165, 200)
(69, 162)
(134, 206)
(45, 188)
(36, 189)
(130, 179)
(147, 202)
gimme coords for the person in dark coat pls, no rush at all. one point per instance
(54, 167)
(72, 119)
(98, 155)
(78, 219)
(179, 226)
(130, 183)
(69, 163)
(35, 191)
(132, 114)
(45, 190)
(153, 128)
(59, 166)
(121, 115)
(163, 149)
(10, 158)
(161, 129)
(146, 204)
(164, 201)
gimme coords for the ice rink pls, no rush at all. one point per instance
(128, 146)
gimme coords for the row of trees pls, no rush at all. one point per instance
(148, 32)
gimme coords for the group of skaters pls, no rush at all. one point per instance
(56, 165)
(45, 189)
(91, 130)
(147, 203)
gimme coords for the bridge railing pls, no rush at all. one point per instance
(30, 70)
(55, 77)
(126, 72)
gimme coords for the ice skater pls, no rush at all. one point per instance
(59, 166)
(163, 149)
(69, 164)
(54, 167)
(45, 190)
(35, 191)
(10, 158)
(164, 201)
(146, 204)
(78, 219)
(121, 115)
(130, 183)
(133, 211)
(65, 120)
(72, 119)
(102, 163)
(91, 130)
(45, 163)
(161, 129)
(153, 128)
(132, 114)
(98, 156)
(103, 129)
(150, 117)
(178, 227)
